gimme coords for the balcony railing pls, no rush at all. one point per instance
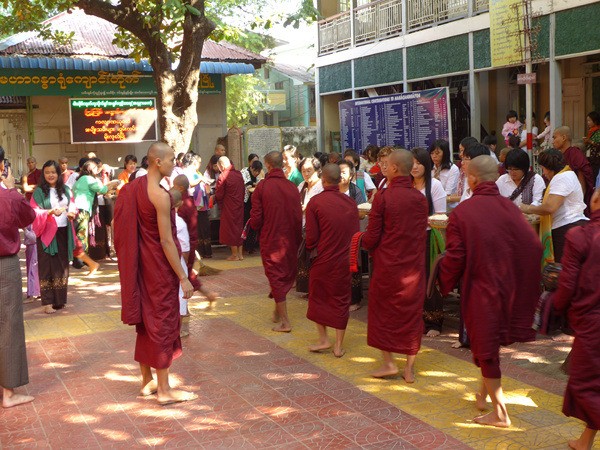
(382, 19)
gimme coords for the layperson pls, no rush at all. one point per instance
(143, 170)
(443, 168)
(370, 159)
(395, 237)
(546, 136)
(491, 142)
(361, 178)
(85, 190)
(252, 176)
(470, 153)
(311, 173)
(578, 295)
(55, 210)
(562, 206)
(129, 167)
(29, 183)
(382, 161)
(220, 150)
(276, 217)
(290, 164)
(592, 141)
(432, 189)
(462, 184)
(347, 187)
(501, 283)
(65, 172)
(17, 213)
(576, 160)
(146, 244)
(331, 221)
(207, 210)
(334, 158)
(229, 194)
(520, 185)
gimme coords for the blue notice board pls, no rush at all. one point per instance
(412, 119)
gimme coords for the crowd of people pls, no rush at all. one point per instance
(306, 215)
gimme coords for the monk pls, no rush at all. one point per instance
(276, 216)
(331, 221)
(577, 161)
(229, 194)
(151, 273)
(579, 296)
(498, 257)
(396, 237)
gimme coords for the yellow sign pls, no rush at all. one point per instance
(276, 100)
(506, 37)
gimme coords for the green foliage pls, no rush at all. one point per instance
(244, 97)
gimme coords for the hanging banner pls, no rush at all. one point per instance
(506, 38)
(412, 119)
(116, 120)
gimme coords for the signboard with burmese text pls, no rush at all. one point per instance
(116, 120)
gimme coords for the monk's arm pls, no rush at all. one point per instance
(572, 260)
(452, 265)
(220, 189)
(548, 206)
(372, 236)
(312, 227)
(26, 186)
(256, 213)
(162, 204)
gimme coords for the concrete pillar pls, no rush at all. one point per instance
(555, 78)
(474, 98)
(319, 115)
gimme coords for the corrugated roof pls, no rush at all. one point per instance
(298, 73)
(93, 38)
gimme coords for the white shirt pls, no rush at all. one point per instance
(62, 220)
(438, 196)
(369, 185)
(467, 193)
(567, 185)
(183, 236)
(310, 193)
(449, 178)
(72, 179)
(493, 155)
(507, 186)
(534, 131)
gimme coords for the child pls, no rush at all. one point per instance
(512, 126)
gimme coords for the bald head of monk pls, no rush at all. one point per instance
(223, 163)
(400, 163)
(561, 138)
(161, 159)
(273, 160)
(331, 175)
(482, 168)
(181, 183)
(176, 198)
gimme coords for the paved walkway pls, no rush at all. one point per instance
(263, 389)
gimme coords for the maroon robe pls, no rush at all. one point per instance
(579, 294)
(149, 286)
(331, 221)
(396, 237)
(578, 163)
(187, 211)
(33, 178)
(229, 194)
(276, 216)
(497, 254)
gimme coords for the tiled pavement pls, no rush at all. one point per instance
(263, 389)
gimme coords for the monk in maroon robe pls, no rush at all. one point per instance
(331, 221)
(497, 254)
(151, 273)
(579, 295)
(395, 237)
(577, 161)
(277, 217)
(229, 194)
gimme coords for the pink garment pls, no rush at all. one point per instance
(31, 263)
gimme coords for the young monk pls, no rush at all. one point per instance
(331, 221)
(396, 237)
(579, 296)
(501, 283)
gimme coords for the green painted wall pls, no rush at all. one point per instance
(543, 37)
(378, 69)
(437, 58)
(577, 30)
(481, 49)
(336, 77)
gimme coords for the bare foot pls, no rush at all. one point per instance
(29, 299)
(338, 353)
(433, 333)
(175, 396)
(241, 257)
(282, 329)
(275, 318)
(93, 269)
(578, 445)
(233, 258)
(355, 307)
(15, 399)
(319, 347)
(492, 419)
(48, 309)
(409, 376)
(562, 337)
(456, 344)
(385, 371)
(480, 401)
(149, 389)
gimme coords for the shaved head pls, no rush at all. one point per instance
(274, 159)
(181, 181)
(403, 160)
(564, 131)
(158, 151)
(483, 168)
(331, 174)
(176, 196)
